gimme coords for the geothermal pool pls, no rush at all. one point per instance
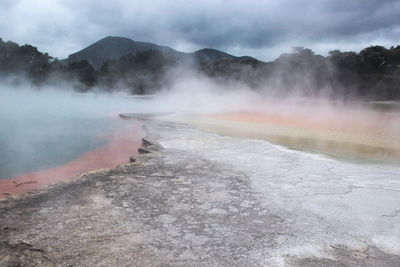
(49, 151)
(50, 136)
(42, 141)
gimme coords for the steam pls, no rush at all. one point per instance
(28, 113)
(186, 89)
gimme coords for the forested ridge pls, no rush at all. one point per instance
(371, 74)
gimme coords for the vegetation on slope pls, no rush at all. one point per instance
(371, 74)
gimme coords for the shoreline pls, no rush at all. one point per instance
(373, 139)
(113, 153)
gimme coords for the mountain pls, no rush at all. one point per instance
(211, 54)
(114, 47)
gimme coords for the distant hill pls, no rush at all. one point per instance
(115, 47)
(211, 54)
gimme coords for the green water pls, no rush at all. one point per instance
(40, 130)
(32, 143)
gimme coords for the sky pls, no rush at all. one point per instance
(260, 28)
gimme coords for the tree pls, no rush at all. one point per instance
(84, 72)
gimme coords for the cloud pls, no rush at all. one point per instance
(258, 28)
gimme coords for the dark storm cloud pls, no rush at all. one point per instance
(255, 27)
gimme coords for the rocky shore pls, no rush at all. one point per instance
(175, 206)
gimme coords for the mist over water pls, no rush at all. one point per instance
(323, 123)
(41, 129)
(44, 129)
(51, 126)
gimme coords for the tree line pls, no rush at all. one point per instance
(371, 74)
